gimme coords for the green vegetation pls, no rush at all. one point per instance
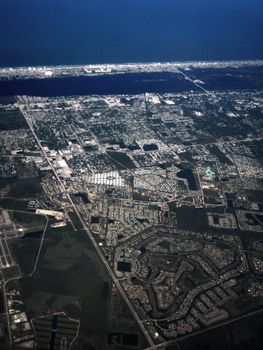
(28, 187)
(69, 266)
(7, 181)
(28, 219)
(5, 100)
(255, 195)
(14, 204)
(11, 119)
(47, 301)
(121, 160)
(26, 250)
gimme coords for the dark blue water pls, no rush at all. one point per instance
(49, 32)
(129, 83)
(244, 78)
(189, 176)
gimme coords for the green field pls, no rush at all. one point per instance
(12, 119)
(68, 266)
(23, 188)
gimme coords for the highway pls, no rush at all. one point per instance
(193, 82)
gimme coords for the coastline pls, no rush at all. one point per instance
(44, 72)
(149, 63)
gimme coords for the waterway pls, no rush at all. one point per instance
(131, 83)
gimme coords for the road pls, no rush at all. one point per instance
(193, 82)
(87, 230)
(40, 247)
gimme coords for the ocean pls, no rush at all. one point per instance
(58, 32)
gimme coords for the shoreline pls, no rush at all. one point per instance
(61, 71)
(133, 64)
